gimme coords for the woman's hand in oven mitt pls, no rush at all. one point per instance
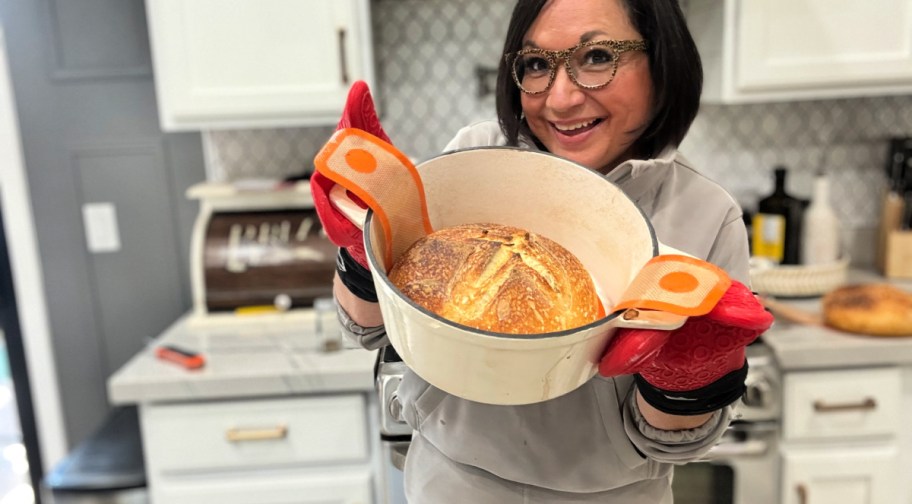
(697, 368)
(351, 262)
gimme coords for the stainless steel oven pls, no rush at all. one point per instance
(742, 469)
(395, 434)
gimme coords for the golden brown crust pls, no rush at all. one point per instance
(875, 309)
(497, 278)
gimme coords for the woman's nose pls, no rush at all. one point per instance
(564, 93)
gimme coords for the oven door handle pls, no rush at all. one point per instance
(754, 428)
(725, 450)
(749, 439)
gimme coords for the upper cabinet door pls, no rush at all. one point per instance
(823, 43)
(774, 50)
(256, 63)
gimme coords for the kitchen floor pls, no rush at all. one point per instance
(15, 487)
(136, 496)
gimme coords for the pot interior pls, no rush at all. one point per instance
(545, 194)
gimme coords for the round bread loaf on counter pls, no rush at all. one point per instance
(497, 278)
(875, 309)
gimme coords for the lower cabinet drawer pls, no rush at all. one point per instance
(349, 486)
(254, 434)
(842, 404)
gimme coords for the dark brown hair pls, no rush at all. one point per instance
(677, 73)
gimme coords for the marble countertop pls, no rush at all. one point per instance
(799, 346)
(247, 356)
(275, 355)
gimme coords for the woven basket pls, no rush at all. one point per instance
(798, 280)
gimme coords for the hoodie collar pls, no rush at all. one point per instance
(630, 169)
(634, 168)
(641, 179)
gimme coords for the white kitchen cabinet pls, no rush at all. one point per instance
(309, 449)
(351, 487)
(257, 63)
(840, 440)
(779, 50)
(847, 475)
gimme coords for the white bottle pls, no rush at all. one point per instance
(820, 243)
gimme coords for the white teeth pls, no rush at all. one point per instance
(574, 126)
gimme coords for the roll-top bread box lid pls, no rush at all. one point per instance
(258, 249)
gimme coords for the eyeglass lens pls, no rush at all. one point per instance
(590, 66)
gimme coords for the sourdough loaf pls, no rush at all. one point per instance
(497, 278)
(875, 309)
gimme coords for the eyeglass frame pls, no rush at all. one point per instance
(619, 46)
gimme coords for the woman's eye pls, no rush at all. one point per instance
(535, 65)
(597, 56)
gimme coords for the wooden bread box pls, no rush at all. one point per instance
(258, 248)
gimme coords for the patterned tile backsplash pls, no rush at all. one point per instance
(427, 53)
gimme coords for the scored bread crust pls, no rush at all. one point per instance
(875, 309)
(497, 278)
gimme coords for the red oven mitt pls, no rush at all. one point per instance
(697, 368)
(359, 113)
(352, 262)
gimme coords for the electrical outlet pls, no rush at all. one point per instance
(100, 223)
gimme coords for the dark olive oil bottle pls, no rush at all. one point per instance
(777, 224)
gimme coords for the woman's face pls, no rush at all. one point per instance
(595, 128)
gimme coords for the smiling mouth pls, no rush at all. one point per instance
(577, 128)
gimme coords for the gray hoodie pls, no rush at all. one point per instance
(591, 445)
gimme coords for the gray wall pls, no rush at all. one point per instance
(82, 78)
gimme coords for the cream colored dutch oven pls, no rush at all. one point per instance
(556, 198)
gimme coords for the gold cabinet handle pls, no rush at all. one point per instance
(343, 60)
(867, 404)
(802, 494)
(236, 434)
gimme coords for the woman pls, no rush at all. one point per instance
(612, 85)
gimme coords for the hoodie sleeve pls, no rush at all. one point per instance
(674, 447)
(370, 338)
